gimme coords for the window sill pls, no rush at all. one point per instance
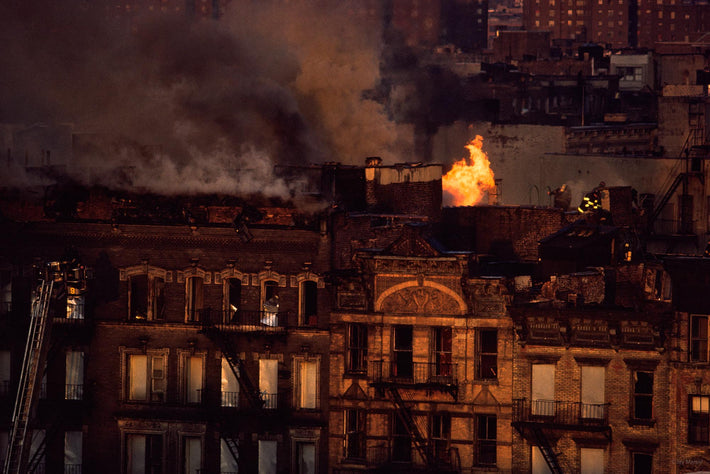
(486, 381)
(641, 422)
(355, 375)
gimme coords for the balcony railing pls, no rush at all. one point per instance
(247, 321)
(73, 391)
(386, 454)
(230, 399)
(72, 469)
(413, 373)
(571, 414)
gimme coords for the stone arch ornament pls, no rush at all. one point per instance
(420, 297)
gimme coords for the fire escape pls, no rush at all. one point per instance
(541, 422)
(690, 166)
(392, 379)
(222, 334)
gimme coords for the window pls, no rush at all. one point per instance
(37, 449)
(591, 461)
(305, 458)
(309, 303)
(593, 392)
(228, 456)
(192, 454)
(354, 434)
(144, 454)
(698, 338)
(146, 377)
(401, 440)
(73, 452)
(699, 419)
(268, 381)
(539, 465)
(146, 297)
(75, 304)
(5, 291)
(193, 377)
(487, 354)
(442, 352)
(230, 385)
(233, 299)
(441, 435)
(543, 390)
(403, 366)
(193, 300)
(4, 373)
(306, 383)
(270, 305)
(643, 395)
(486, 426)
(356, 355)
(267, 457)
(641, 463)
(74, 376)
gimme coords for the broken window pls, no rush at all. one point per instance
(306, 383)
(403, 365)
(144, 454)
(309, 303)
(73, 449)
(193, 300)
(643, 395)
(356, 354)
(146, 297)
(305, 458)
(233, 298)
(487, 354)
(441, 435)
(5, 367)
(74, 376)
(486, 436)
(146, 378)
(192, 454)
(270, 305)
(193, 381)
(268, 382)
(699, 419)
(267, 457)
(698, 338)
(230, 385)
(442, 352)
(354, 433)
(401, 440)
(228, 460)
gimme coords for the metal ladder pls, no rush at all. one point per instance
(406, 417)
(30, 378)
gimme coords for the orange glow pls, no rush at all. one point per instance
(466, 182)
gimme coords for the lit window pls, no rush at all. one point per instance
(356, 355)
(267, 457)
(146, 298)
(593, 382)
(354, 434)
(229, 386)
(643, 395)
(73, 452)
(698, 338)
(144, 453)
(193, 377)
(306, 383)
(192, 454)
(486, 428)
(75, 306)
(268, 382)
(146, 378)
(74, 376)
(309, 303)
(543, 390)
(487, 354)
(699, 419)
(591, 460)
(270, 303)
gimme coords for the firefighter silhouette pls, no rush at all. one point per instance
(592, 201)
(562, 197)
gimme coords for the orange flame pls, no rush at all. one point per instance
(465, 183)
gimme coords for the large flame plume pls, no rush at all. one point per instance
(466, 182)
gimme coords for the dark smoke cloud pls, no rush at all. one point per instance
(216, 103)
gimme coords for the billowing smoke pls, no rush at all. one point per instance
(187, 105)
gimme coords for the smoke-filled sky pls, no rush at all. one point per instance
(217, 102)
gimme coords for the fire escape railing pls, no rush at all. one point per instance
(243, 320)
(430, 374)
(570, 414)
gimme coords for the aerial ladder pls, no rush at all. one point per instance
(18, 448)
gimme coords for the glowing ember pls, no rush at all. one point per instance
(465, 183)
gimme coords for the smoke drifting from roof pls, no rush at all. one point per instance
(217, 103)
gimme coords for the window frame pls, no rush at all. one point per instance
(483, 438)
(156, 304)
(440, 434)
(299, 386)
(356, 348)
(403, 355)
(698, 342)
(482, 355)
(641, 396)
(194, 298)
(354, 434)
(150, 379)
(442, 351)
(696, 419)
(184, 358)
(306, 318)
